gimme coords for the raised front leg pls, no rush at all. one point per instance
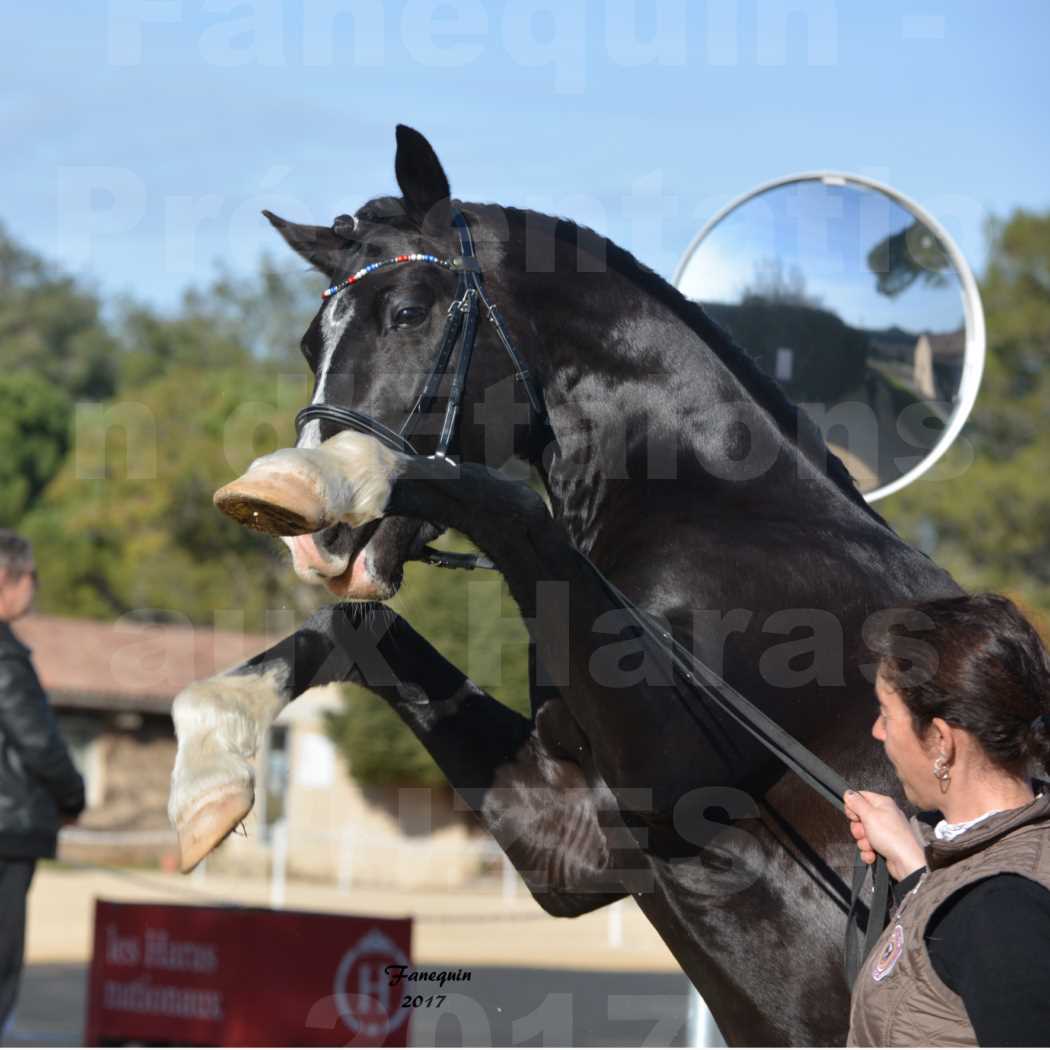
(294, 491)
(219, 724)
(524, 781)
(353, 478)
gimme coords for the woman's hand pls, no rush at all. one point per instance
(879, 826)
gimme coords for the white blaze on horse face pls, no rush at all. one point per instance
(312, 563)
(336, 318)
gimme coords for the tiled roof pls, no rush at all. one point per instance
(128, 666)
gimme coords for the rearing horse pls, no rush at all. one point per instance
(675, 469)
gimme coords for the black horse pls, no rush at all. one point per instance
(681, 473)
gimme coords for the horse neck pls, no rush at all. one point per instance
(640, 405)
(624, 358)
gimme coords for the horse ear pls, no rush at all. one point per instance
(423, 182)
(318, 245)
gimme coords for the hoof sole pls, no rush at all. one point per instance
(279, 506)
(209, 824)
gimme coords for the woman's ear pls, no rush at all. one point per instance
(943, 738)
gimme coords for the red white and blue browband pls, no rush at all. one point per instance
(434, 260)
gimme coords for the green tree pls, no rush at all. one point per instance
(128, 525)
(154, 346)
(50, 328)
(231, 322)
(983, 514)
(269, 314)
(34, 436)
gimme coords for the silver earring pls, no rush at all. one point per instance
(942, 772)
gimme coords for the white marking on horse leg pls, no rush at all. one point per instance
(363, 475)
(348, 479)
(219, 724)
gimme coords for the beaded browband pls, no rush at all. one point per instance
(461, 323)
(434, 260)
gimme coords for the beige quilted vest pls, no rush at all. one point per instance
(898, 999)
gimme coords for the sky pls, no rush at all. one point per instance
(142, 137)
(826, 238)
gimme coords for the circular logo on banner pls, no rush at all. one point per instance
(363, 996)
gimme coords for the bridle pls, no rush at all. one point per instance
(460, 330)
(461, 326)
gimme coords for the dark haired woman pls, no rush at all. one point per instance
(964, 715)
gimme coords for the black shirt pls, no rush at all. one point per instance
(990, 944)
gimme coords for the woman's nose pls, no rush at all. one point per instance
(877, 731)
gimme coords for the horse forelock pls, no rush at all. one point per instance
(385, 211)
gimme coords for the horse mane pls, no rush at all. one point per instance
(796, 426)
(793, 423)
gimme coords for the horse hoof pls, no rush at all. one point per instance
(283, 504)
(209, 823)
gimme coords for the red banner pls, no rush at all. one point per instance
(181, 975)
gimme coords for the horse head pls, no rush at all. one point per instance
(372, 345)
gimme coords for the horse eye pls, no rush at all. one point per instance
(408, 316)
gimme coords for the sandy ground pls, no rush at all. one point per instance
(610, 956)
(476, 926)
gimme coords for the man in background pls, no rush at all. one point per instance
(39, 787)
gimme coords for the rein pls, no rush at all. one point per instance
(814, 771)
(460, 331)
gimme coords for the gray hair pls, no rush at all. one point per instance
(16, 553)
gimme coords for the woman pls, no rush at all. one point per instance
(964, 715)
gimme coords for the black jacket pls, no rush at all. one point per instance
(38, 783)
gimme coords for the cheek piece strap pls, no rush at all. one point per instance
(461, 324)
